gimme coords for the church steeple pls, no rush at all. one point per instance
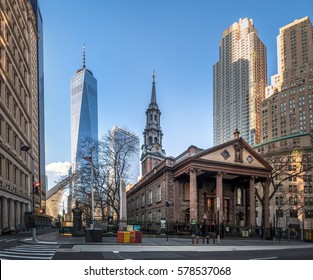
(153, 94)
(152, 152)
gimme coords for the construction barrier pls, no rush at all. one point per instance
(126, 237)
(138, 235)
(129, 237)
(120, 237)
(132, 236)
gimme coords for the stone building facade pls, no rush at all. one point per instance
(18, 111)
(291, 205)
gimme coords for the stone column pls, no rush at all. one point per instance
(252, 201)
(23, 214)
(4, 209)
(17, 213)
(219, 196)
(11, 213)
(176, 200)
(266, 207)
(1, 215)
(193, 195)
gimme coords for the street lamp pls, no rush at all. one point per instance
(26, 149)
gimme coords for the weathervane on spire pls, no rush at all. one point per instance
(153, 75)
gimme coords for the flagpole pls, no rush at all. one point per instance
(92, 200)
(89, 159)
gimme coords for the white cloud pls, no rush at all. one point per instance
(58, 168)
(55, 170)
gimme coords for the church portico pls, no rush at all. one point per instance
(216, 197)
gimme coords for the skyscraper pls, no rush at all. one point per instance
(133, 171)
(19, 113)
(152, 152)
(41, 105)
(288, 109)
(287, 126)
(84, 109)
(239, 83)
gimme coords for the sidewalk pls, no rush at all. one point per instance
(79, 244)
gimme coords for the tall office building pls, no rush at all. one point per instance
(41, 105)
(19, 112)
(84, 109)
(133, 168)
(287, 127)
(288, 109)
(239, 83)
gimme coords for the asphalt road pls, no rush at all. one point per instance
(288, 254)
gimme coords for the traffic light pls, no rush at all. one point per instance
(37, 188)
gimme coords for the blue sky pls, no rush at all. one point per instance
(125, 41)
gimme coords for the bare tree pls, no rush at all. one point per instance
(101, 165)
(287, 167)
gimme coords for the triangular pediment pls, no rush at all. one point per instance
(236, 152)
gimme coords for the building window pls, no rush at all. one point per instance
(150, 197)
(158, 217)
(159, 196)
(293, 214)
(137, 203)
(143, 200)
(150, 217)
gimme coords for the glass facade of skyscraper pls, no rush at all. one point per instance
(239, 83)
(84, 110)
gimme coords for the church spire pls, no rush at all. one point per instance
(153, 93)
(152, 151)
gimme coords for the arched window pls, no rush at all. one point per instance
(156, 140)
(150, 140)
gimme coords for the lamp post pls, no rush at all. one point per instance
(26, 149)
(205, 225)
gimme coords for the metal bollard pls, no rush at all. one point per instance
(213, 240)
(208, 240)
(193, 241)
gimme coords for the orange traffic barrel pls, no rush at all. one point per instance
(120, 237)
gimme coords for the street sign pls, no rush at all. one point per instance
(163, 223)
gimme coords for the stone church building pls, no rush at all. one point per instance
(212, 187)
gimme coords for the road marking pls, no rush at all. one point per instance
(265, 258)
(118, 253)
(38, 252)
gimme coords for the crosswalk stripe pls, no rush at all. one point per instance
(29, 251)
(3, 257)
(25, 253)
